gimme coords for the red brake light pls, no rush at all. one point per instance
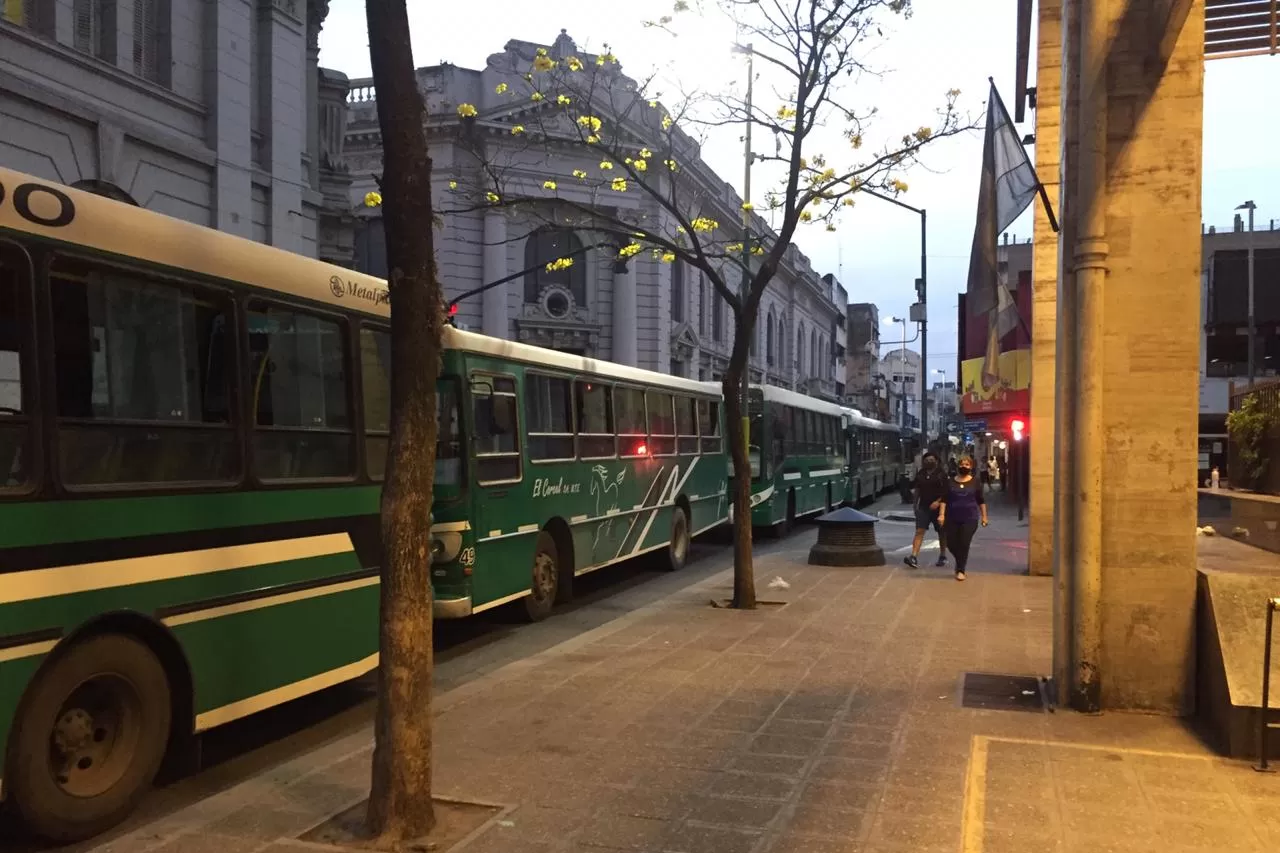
(1019, 427)
(642, 449)
(453, 309)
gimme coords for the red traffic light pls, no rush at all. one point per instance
(1019, 428)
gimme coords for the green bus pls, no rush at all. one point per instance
(193, 430)
(797, 454)
(880, 455)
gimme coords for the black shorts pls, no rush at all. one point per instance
(926, 517)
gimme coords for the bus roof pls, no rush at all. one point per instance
(48, 210)
(774, 394)
(498, 348)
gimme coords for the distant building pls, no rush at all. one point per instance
(902, 376)
(661, 316)
(864, 384)
(213, 112)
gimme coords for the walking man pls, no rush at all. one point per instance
(930, 488)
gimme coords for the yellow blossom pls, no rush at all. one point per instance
(606, 57)
(785, 112)
(466, 110)
(619, 185)
(491, 197)
(629, 250)
(733, 248)
(670, 164)
(591, 122)
(517, 130)
(500, 88)
(453, 185)
(831, 226)
(640, 166)
(680, 230)
(898, 186)
(806, 216)
(559, 264)
(606, 165)
(548, 185)
(535, 97)
(827, 175)
(748, 206)
(592, 139)
(646, 153)
(563, 100)
(574, 63)
(372, 199)
(681, 6)
(923, 134)
(847, 201)
(668, 257)
(543, 63)
(580, 174)
(703, 223)
(653, 105)
(666, 122)
(542, 51)
(855, 139)
(757, 250)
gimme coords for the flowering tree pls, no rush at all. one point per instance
(400, 798)
(642, 188)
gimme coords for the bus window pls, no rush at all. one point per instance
(142, 371)
(662, 424)
(687, 425)
(780, 438)
(297, 385)
(595, 420)
(375, 371)
(548, 414)
(709, 426)
(15, 285)
(496, 429)
(628, 407)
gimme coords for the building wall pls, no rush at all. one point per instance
(623, 315)
(211, 117)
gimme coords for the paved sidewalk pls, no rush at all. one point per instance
(832, 723)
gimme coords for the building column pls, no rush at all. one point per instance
(1125, 520)
(1044, 289)
(624, 313)
(494, 267)
(226, 61)
(282, 27)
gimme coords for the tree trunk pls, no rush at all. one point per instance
(400, 805)
(744, 578)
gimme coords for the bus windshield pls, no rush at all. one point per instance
(753, 446)
(449, 440)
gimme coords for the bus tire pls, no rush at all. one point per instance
(104, 707)
(544, 581)
(677, 551)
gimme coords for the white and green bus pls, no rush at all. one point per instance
(193, 431)
(880, 455)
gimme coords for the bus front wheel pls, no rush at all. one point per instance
(678, 546)
(89, 738)
(545, 580)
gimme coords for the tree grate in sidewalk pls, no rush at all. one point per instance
(1002, 692)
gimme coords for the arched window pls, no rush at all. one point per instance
(815, 366)
(769, 353)
(800, 350)
(544, 246)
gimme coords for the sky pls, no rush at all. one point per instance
(945, 44)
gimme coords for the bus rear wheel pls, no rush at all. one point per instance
(678, 545)
(545, 580)
(89, 739)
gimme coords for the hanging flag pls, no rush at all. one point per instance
(1008, 184)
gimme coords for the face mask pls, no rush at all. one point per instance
(965, 469)
(930, 464)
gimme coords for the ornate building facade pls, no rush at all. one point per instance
(643, 312)
(213, 112)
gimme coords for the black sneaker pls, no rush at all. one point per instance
(942, 561)
(912, 562)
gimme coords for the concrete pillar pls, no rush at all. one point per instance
(226, 63)
(1144, 381)
(624, 313)
(1044, 288)
(283, 68)
(494, 267)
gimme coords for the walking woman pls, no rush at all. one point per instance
(963, 508)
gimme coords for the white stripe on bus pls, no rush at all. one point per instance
(825, 472)
(450, 526)
(269, 601)
(27, 651)
(526, 528)
(640, 506)
(669, 495)
(792, 476)
(286, 693)
(86, 577)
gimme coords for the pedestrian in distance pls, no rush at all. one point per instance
(962, 509)
(929, 489)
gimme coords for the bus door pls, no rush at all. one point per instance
(496, 472)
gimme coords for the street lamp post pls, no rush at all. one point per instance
(922, 291)
(1250, 206)
(902, 366)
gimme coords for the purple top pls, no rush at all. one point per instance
(962, 501)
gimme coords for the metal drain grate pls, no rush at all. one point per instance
(1002, 692)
